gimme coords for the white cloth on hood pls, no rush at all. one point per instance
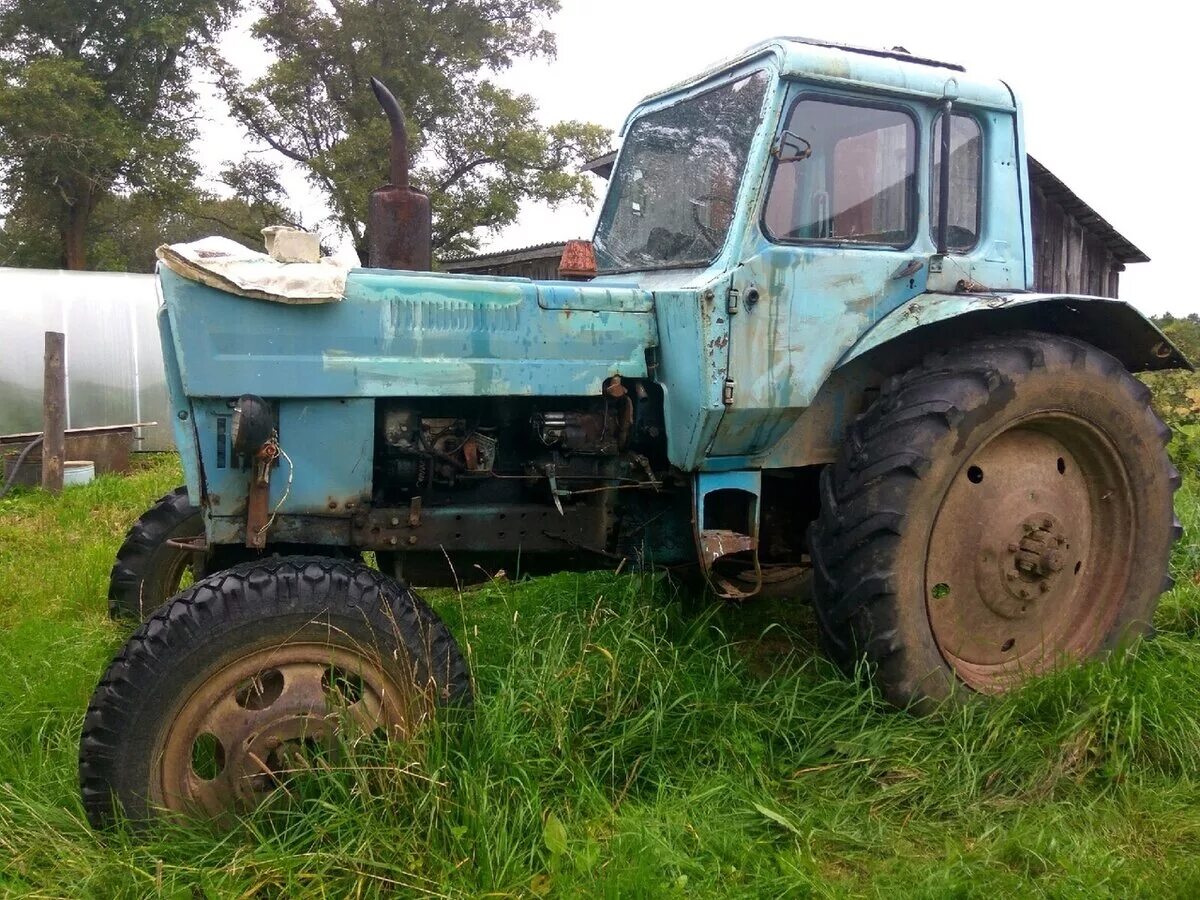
(228, 266)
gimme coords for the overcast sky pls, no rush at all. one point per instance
(1102, 86)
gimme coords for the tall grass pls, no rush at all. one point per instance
(621, 746)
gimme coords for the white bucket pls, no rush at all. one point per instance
(78, 471)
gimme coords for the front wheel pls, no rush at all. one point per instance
(217, 700)
(154, 562)
(1001, 508)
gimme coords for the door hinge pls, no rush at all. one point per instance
(731, 302)
(727, 392)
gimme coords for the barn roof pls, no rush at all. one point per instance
(1057, 192)
(504, 257)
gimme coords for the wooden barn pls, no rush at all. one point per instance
(539, 262)
(1076, 251)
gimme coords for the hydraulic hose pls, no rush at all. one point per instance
(17, 468)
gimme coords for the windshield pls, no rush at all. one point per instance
(673, 192)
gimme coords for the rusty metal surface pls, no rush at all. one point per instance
(1028, 556)
(525, 527)
(257, 519)
(725, 526)
(399, 217)
(718, 542)
(326, 531)
(578, 260)
(262, 719)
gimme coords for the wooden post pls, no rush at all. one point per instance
(54, 413)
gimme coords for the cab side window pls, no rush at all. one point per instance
(966, 144)
(844, 173)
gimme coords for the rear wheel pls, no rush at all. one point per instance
(1000, 509)
(232, 688)
(154, 562)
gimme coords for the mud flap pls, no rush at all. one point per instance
(725, 524)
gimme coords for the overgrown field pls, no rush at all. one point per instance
(623, 746)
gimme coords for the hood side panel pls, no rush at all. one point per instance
(408, 334)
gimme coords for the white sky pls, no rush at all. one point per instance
(1102, 85)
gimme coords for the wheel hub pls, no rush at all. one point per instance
(1025, 550)
(1037, 555)
(1028, 567)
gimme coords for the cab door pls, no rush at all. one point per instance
(839, 244)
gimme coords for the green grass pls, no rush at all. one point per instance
(622, 747)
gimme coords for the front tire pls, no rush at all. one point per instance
(149, 568)
(1000, 508)
(205, 709)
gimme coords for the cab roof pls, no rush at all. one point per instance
(892, 71)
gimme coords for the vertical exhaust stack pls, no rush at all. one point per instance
(399, 220)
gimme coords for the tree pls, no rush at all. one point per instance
(95, 103)
(478, 149)
(125, 231)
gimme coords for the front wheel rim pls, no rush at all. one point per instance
(1029, 556)
(254, 724)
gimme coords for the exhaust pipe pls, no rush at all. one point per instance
(399, 218)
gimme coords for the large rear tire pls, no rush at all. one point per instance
(149, 568)
(208, 707)
(999, 509)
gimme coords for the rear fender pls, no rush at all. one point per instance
(932, 321)
(1112, 325)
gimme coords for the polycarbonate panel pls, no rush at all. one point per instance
(114, 363)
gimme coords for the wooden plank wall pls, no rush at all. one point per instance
(545, 269)
(1067, 257)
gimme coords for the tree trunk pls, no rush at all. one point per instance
(80, 199)
(74, 234)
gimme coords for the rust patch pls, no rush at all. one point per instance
(718, 542)
(257, 519)
(578, 261)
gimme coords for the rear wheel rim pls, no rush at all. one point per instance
(273, 714)
(178, 570)
(1029, 555)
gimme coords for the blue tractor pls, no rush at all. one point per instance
(811, 350)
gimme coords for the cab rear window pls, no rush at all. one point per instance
(966, 141)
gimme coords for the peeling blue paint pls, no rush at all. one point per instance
(408, 334)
